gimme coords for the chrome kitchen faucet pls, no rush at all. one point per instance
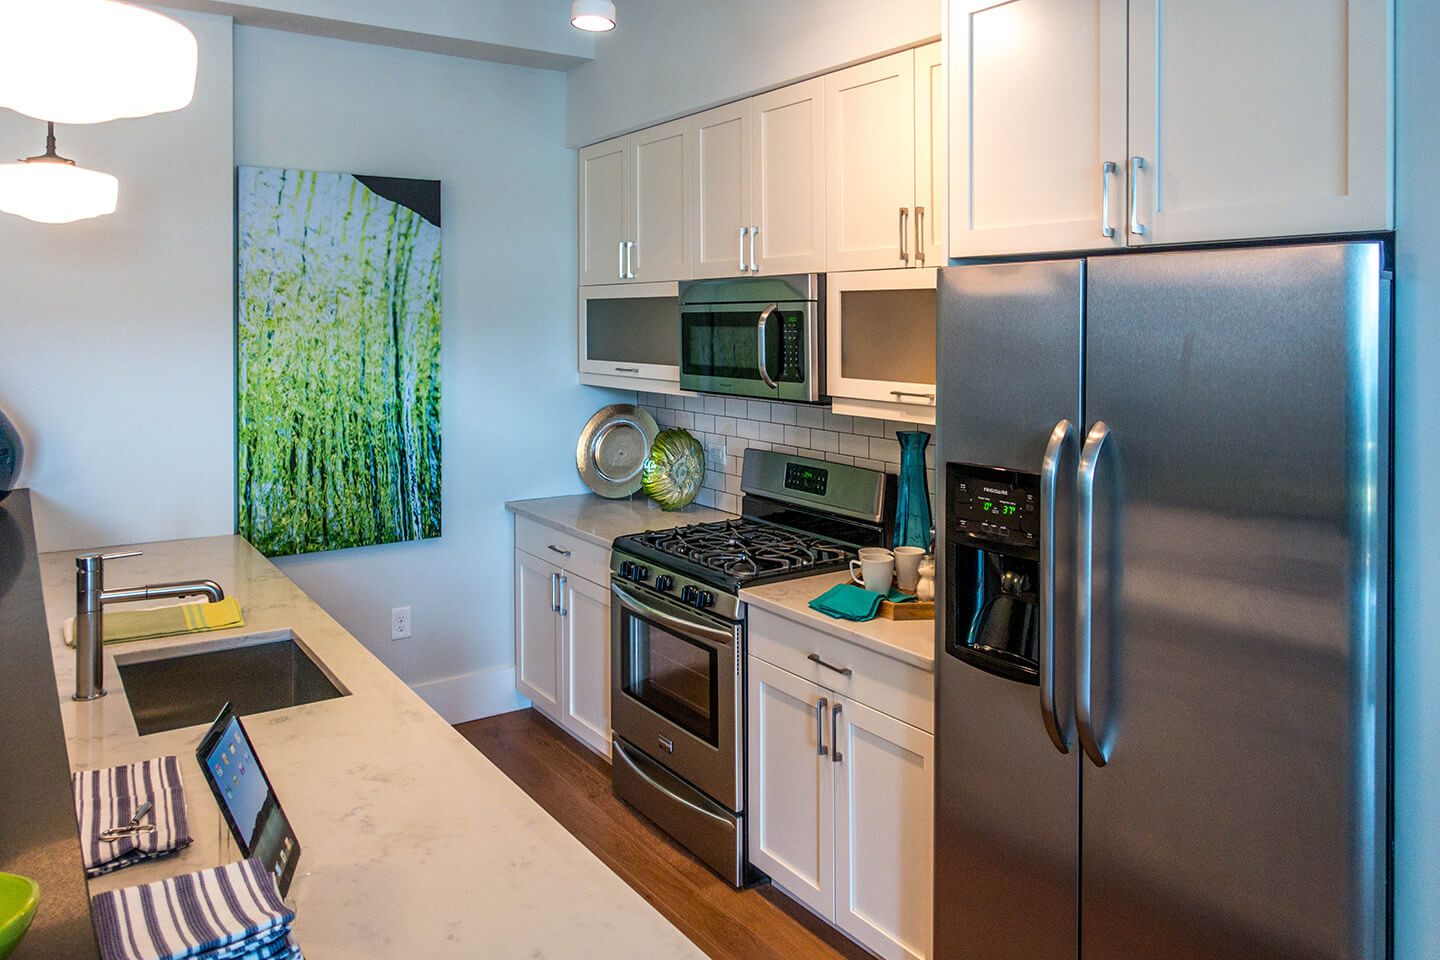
(90, 599)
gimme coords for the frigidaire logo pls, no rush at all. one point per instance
(996, 491)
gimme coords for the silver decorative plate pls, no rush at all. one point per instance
(613, 448)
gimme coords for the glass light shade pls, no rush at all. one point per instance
(90, 61)
(47, 191)
(595, 16)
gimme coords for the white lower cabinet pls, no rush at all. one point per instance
(562, 648)
(848, 832)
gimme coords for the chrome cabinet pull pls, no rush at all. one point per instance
(1136, 165)
(820, 704)
(620, 259)
(554, 592)
(843, 671)
(627, 369)
(563, 553)
(1049, 486)
(760, 335)
(835, 734)
(919, 234)
(1107, 170)
(743, 231)
(629, 259)
(904, 219)
(754, 267)
(1084, 563)
(900, 394)
(561, 608)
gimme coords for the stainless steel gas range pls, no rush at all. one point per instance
(677, 700)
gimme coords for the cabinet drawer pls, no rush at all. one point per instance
(897, 689)
(563, 549)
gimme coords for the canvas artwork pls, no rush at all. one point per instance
(338, 360)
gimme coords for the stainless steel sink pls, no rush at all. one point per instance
(176, 688)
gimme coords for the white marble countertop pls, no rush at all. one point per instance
(910, 641)
(413, 843)
(599, 520)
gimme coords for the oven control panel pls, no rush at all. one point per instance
(1000, 507)
(692, 593)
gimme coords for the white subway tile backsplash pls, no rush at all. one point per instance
(750, 429)
(772, 432)
(798, 436)
(883, 448)
(839, 422)
(705, 422)
(726, 426)
(715, 405)
(727, 502)
(825, 440)
(695, 404)
(675, 402)
(810, 417)
(736, 407)
(870, 428)
(855, 445)
(781, 448)
(782, 413)
(869, 464)
(759, 410)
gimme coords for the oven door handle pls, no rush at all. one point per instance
(722, 639)
(760, 335)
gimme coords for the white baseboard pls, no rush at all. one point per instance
(471, 696)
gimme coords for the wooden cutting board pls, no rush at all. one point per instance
(915, 610)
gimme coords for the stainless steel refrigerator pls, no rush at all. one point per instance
(1162, 665)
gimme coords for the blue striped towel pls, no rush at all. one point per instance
(232, 912)
(109, 798)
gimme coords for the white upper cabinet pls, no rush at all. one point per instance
(1045, 85)
(1090, 124)
(787, 218)
(659, 188)
(870, 164)
(1260, 119)
(880, 343)
(929, 156)
(720, 172)
(604, 211)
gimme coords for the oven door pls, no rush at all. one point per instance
(765, 350)
(676, 690)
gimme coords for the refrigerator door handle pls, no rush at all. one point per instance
(1084, 563)
(1049, 485)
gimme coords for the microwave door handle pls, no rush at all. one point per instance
(760, 336)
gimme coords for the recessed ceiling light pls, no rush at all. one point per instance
(596, 16)
(51, 189)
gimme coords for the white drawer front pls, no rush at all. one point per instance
(565, 550)
(882, 683)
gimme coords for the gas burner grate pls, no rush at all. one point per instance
(745, 549)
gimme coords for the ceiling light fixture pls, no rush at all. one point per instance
(90, 61)
(52, 189)
(595, 16)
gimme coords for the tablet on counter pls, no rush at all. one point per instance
(246, 798)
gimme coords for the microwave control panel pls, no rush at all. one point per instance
(792, 348)
(1000, 507)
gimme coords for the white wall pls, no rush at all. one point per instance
(667, 58)
(511, 405)
(1417, 485)
(116, 334)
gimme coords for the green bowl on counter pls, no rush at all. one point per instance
(18, 898)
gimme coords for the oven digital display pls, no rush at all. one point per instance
(806, 479)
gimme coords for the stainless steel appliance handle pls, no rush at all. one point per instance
(904, 218)
(760, 334)
(1049, 484)
(690, 629)
(1136, 165)
(564, 553)
(820, 705)
(754, 267)
(835, 733)
(1084, 562)
(1107, 169)
(554, 592)
(620, 259)
(561, 609)
(629, 259)
(743, 231)
(624, 755)
(843, 671)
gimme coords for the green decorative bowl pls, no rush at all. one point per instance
(18, 898)
(675, 469)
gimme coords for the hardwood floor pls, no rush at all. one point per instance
(573, 785)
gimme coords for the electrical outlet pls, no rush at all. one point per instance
(399, 623)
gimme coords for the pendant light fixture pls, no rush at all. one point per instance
(51, 189)
(90, 61)
(595, 16)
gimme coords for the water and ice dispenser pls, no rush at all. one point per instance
(993, 565)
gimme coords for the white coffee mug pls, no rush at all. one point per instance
(907, 567)
(876, 569)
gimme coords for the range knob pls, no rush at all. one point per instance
(627, 569)
(705, 599)
(664, 582)
(688, 593)
(642, 573)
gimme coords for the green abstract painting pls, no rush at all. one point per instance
(337, 360)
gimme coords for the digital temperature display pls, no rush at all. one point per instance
(806, 479)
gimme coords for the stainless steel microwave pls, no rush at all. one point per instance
(754, 337)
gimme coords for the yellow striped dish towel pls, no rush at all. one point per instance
(125, 625)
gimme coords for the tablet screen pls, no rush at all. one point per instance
(242, 787)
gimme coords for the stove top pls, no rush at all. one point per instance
(744, 550)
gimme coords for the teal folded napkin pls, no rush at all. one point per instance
(846, 601)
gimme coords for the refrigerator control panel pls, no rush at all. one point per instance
(999, 507)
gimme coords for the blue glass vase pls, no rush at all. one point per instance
(11, 453)
(912, 501)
